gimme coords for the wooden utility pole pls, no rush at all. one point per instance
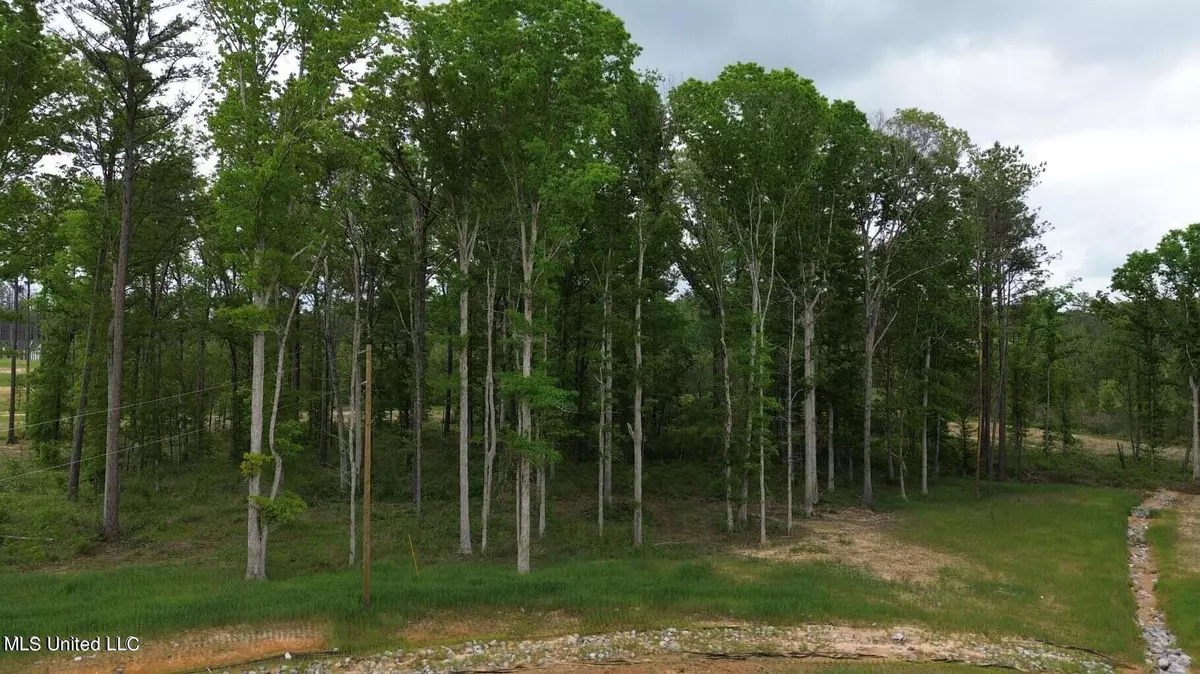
(367, 491)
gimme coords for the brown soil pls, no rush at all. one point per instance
(863, 539)
(455, 630)
(197, 650)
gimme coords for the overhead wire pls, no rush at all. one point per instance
(118, 451)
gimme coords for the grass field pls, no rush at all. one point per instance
(1039, 561)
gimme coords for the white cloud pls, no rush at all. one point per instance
(1119, 145)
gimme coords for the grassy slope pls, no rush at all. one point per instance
(1055, 556)
(1040, 561)
(1178, 589)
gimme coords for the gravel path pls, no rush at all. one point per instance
(695, 647)
(1161, 653)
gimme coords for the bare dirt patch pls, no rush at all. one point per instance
(453, 630)
(862, 539)
(195, 651)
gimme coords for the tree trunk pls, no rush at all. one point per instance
(810, 409)
(888, 412)
(277, 481)
(900, 458)
(116, 362)
(755, 388)
(937, 448)
(829, 450)
(637, 432)
(418, 339)
(868, 496)
(466, 244)
(12, 381)
(1002, 392)
(541, 482)
(447, 417)
(528, 253)
(608, 400)
(254, 551)
(1195, 425)
(789, 415)
(356, 421)
(925, 422)
(85, 377)
(983, 449)
(339, 415)
(235, 407)
(489, 414)
(1046, 433)
(727, 427)
(604, 428)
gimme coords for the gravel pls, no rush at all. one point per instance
(642, 645)
(1161, 653)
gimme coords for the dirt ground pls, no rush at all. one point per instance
(196, 651)
(863, 539)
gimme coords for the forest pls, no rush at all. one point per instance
(579, 262)
(251, 243)
(268, 264)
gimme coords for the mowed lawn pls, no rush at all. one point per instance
(1038, 561)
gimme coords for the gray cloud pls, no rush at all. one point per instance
(1104, 91)
(829, 39)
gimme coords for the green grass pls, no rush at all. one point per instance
(1178, 589)
(1055, 560)
(1038, 561)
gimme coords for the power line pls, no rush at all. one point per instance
(117, 451)
(104, 410)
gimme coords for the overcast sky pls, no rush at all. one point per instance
(1105, 92)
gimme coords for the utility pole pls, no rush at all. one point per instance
(367, 491)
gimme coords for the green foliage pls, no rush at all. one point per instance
(282, 509)
(254, 464)
(246, 318)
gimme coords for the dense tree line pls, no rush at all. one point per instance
(552, 256)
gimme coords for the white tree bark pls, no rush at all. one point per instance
(868, 495)
(789, 413)
(727, 427)
(466, 246)
(489, 414)
(528, 252)
(356, 425)
(254, 552)
(810, 408)
(259, 527)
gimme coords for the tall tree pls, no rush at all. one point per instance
(1179, 252)
(140, 57)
